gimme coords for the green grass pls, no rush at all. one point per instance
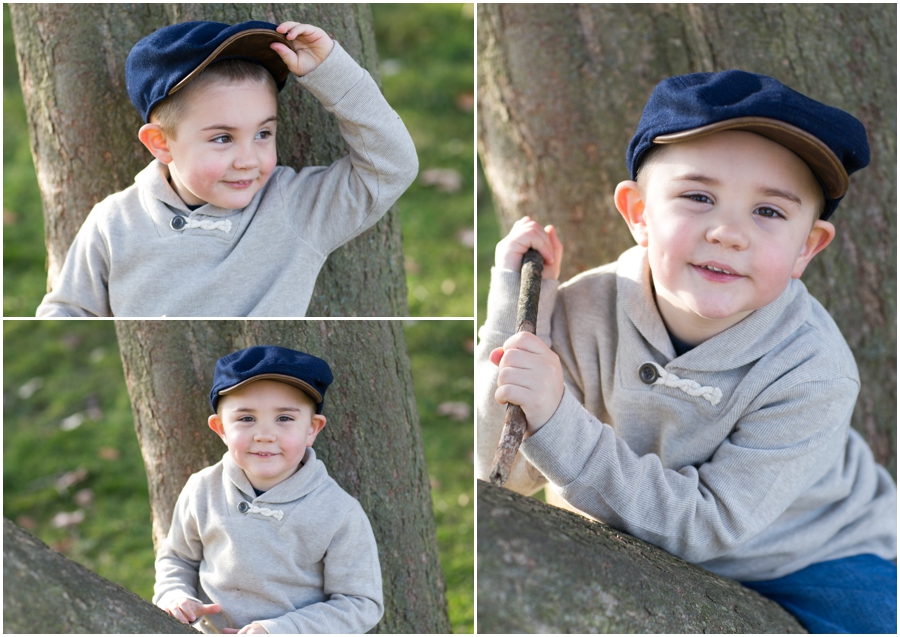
(80, 372)
(441, 358)
(427, 64)
(24, 275)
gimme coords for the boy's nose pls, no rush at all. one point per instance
(264, 433)
(245, 159)
(727, 231)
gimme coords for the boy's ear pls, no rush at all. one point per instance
(315, 426)
(819, 237)
(630, 203)
(157, 142)
(216, 424)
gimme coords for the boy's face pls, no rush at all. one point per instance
(267, 426)
(728, 220)
(224, 150)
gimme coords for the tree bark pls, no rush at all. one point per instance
(83, 128)
(371, 443)
(561, 89)
(46, 593)
(545, 570)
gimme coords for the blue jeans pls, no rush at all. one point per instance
(855, 594)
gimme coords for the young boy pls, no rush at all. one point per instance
(264, 540)
(213, 227)
(696, 396)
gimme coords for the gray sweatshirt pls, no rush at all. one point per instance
(300, 558)
(737, 455)
(128, 260)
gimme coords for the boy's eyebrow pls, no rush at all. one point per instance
(703, 179)
(784, 194)
(230, 128)
(251, 409)
(768, 191)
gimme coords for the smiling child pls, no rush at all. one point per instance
(213, 226)
(693, 393)
(264, 540)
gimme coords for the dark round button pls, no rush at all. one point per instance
(648, 373)
(243, 507)
(177, 222)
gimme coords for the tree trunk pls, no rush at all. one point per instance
(545, 570)
(371, 443)
(83, 127)
(46, 593)
(561, 89)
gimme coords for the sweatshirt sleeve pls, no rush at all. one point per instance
(776, 452)
(499, 325)
(352, 584)
(331, 205)
(82, 286)
(178, 559)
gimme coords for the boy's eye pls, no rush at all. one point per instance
(264, 134)
(699, 197)
(245, 419)
(221, 139)
(284, 419)
(769, 213)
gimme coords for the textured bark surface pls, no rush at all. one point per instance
(545, 570)
(83, 128)
(46, 593)
(371, 443)
(562, 87)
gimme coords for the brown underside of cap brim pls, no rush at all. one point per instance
(303, 386)
(252, 43)
(820, 158)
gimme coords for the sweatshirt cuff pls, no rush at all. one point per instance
(561, 448)
(334, 77)
(503, 300)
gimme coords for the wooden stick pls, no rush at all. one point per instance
(526, 320)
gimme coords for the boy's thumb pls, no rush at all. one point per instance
(496, 355)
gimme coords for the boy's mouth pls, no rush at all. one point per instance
(716, 272)
(244, 183)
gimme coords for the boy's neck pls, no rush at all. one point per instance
(690, 328)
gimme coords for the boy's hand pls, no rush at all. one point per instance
(254, 628)
(527, 233)
(530, 376)
(187, 610)
(311, 45)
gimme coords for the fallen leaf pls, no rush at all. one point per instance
(455, 410)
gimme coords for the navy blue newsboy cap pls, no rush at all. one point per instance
(832, 142)
(269, 362)
(170, 57)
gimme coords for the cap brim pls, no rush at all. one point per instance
(252, 43)
(820, 158)
(303, 386)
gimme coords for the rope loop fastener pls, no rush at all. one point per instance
(688, 386)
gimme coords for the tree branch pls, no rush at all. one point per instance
(44, 592)
(545, 570)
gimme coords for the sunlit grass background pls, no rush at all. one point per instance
(426, 54)
(69, 448)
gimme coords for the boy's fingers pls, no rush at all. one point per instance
(496, 355)
(209, 609)
(285, 53)
(526, 341)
